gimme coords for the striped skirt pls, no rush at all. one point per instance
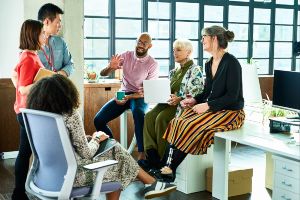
(193, 133)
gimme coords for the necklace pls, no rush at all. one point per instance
(50, 58)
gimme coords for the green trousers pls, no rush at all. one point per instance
(155, 125)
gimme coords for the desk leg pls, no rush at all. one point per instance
(220, 168)
(123, 129)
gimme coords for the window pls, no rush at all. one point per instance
(238, 20)
(187, 25)
(261, 39)
(265, 30)
(96, 34)
(159, 28)
(283, 42)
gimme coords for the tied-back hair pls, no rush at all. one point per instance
(29, 35)
(223, 35)
(50, 11)
(56, 94)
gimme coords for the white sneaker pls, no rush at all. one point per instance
(158, 189)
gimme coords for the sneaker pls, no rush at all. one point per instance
(158, 189)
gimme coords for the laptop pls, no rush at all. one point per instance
(157, 91)
(105, 146)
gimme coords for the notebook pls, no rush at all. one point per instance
(42, 73)
(157, 91)
(105, 146)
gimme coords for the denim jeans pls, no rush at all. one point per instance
(112, 110)
(22, 162)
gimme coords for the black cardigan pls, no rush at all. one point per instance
(225, 90)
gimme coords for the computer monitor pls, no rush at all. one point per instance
(286, 90)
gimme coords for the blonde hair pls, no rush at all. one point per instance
(182, 43)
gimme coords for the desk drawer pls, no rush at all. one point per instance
(281, 194)
(287, 167)
(287, 183)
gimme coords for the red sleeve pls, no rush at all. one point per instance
(27, 71)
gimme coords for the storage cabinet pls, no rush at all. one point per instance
(9, 127)
(190, 174)
(286, 185)
(95, 96)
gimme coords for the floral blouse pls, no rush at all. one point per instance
(192, 83)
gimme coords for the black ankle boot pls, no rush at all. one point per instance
(19, 195)
(153, 158)
(144, 164)
(168, 178)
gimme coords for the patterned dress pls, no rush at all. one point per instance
(124, 172)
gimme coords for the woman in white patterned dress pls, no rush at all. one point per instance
(59, 95)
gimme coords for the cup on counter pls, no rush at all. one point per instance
(120, 95)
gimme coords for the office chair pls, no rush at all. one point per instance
(54, 165)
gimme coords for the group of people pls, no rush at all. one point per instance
(165, 134)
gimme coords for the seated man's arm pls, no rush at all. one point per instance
(114, 64)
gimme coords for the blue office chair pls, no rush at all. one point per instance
(54, 166)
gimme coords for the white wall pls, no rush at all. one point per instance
(12, 16)
(73, 34)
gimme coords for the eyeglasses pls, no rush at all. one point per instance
(141, 43)
(203, 36)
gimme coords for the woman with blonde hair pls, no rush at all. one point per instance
(186, 81)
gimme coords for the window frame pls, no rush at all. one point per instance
(252, 4)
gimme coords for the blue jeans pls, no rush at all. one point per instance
(112, 110)
(22, 162)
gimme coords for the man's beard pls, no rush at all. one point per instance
(141, 54)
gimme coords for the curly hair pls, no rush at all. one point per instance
(56, 94)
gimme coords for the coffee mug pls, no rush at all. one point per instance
(120, 95)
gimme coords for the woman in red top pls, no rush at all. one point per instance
(31, 40)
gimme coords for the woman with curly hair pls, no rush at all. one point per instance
(57, 94)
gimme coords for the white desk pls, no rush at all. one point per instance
(251, 134)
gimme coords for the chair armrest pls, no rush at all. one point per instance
(101, 164)
(101, 168)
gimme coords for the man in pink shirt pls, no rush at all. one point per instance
(137, 66)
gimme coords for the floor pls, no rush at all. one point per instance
(242, 156)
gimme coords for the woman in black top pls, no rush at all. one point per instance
(218, 108)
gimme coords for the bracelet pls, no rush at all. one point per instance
(97, 139)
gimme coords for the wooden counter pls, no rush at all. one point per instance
(95, 96)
